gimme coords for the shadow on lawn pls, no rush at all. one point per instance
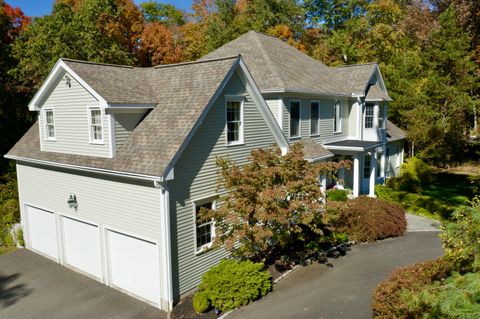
(453, 189)
(10, 294)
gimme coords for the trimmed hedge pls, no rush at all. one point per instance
(388, 301)
(366, 219)
(340, 195)
(232, 284)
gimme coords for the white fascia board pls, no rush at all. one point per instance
(87, 169)
(265, 111)
(59, 67)
(306, 92)
(321, 158)
(123, 106)
(344, 148)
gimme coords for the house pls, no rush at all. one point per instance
(121, 159)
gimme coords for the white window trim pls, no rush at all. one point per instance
(241, 99)
(195, 203)
(365, 117)
(47, 138)
(299, 119)
(318, 120)
(339, 122)
(89, 116)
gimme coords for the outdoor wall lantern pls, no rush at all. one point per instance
(72, 201)
(68, 81)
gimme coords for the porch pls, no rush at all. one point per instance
(368, 165)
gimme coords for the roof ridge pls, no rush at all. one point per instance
(99, 63)
(353, 65)
(268, 59)
(161, 66)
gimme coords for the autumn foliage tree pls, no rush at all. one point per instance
(270, 203)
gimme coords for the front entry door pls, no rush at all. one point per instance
(367, 167)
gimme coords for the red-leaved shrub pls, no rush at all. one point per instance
(387, 300)
(367, 219)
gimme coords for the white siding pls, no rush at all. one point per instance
(71, 121)
(196, 178)
(275, 105)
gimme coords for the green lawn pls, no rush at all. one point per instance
(439, 199)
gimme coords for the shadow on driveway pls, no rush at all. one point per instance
(32, 286)
(345, 290)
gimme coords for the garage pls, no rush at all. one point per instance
(82, 246)
(42, 231)
(134, 265)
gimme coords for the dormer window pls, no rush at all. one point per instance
(95, 125)
(49, 125)
(337, 117)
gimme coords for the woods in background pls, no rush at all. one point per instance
(429, 53)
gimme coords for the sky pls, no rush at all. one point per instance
(35, 8)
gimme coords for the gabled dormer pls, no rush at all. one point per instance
(74, 118)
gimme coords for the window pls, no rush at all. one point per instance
(294, 118)
(337, 117)
(234, 122)
(314, 118)
(204, 230)
(95, 119)
(367, 166)
(369, 116)
(49, 125)
(379, 165)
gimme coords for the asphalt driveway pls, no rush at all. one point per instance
(32, 286)
(344, 290)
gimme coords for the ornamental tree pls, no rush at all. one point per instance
(270, 203)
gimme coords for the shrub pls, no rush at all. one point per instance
(388, 301)
(413, 174)
(387, 193)
(359, 219)
(232, 284)
(339, 195)
(461, 239)
(9, 208)
(456, 297)
(201, 303)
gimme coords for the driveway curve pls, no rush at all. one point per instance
(344, 290)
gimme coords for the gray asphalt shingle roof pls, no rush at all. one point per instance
(312, 150)
(275, 65)
(181, 93)
(394, 133)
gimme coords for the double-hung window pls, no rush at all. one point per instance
(314, 118)
(294, 118)
(204, 230)
(235, 121)
(95, 125)
(337, 117)
(369, 116)
(49, 125)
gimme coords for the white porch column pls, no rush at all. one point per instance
(323, 183)
(383, 163)
(373, 176)
(356, 175)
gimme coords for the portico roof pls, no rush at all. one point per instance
(352, 145)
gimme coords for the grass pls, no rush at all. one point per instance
(6, 250)
(440, 198)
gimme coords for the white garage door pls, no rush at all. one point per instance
(134, 266)
(82, 246)
(42, 231)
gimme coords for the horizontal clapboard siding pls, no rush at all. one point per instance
(326, 119)
(71, 121)
(196, 178)
(133, 208)
(125, 123)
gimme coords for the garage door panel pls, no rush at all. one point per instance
(42, 231)
(134, 266)
(82, 246)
